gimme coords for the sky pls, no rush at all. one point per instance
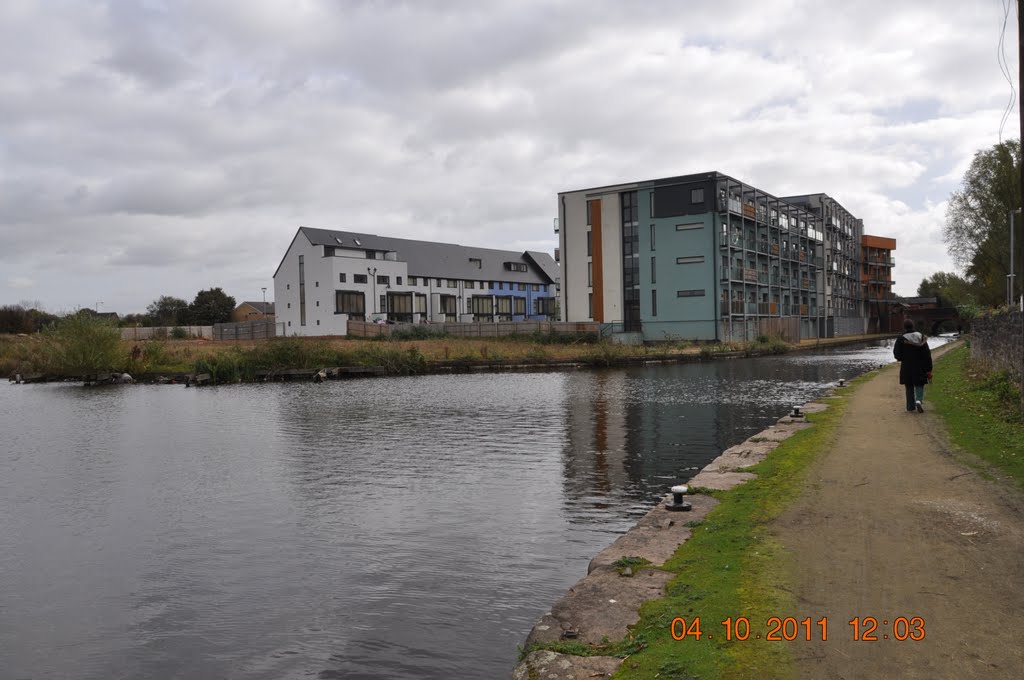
(164, 147)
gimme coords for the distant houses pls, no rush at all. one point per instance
(250, 311)
(327, 277)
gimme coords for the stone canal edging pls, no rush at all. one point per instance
(606, 602)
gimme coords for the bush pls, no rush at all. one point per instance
(82, 344)
(179, 333)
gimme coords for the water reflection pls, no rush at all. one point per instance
(401, 528)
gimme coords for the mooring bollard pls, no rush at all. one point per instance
(796, 412)
(842, 382)
(677, 499)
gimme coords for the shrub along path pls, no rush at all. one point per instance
(897, 526)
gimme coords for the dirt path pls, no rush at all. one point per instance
(892, 525)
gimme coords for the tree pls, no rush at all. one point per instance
(210, 307)
(978, 220)
(168, 311)
(953, 290)
(22, 319)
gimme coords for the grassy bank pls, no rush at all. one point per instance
(981, 412)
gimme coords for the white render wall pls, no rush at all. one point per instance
(572, 242)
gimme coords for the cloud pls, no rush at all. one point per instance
(181, 144)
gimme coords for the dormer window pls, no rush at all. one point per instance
(477, 261)
(515, 266)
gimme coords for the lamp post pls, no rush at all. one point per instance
(264, 289)
(98, 306)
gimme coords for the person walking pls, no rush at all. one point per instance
(915, 357)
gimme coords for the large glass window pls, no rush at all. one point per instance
(350, 302)
(302, 290)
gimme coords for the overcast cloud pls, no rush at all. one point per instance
(161, 147)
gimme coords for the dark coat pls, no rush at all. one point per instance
(915, 358)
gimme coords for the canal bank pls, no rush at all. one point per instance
(317, 360)
(728, 566)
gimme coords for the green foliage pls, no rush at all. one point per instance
(211, 306)
(981, 412)
(179, 333)
(953, 290)
(83, 344)
(978, 221)
(416, 332)
(607, 353)
(167, 310)
(19, 319)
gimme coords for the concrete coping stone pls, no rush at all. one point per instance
(545, 665)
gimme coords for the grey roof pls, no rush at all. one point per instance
(261, 307)
(444, 260)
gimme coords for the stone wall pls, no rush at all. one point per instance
(996, 342)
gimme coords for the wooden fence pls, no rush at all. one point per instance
(165, 332)
(257, 329)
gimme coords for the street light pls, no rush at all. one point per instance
(264, 289)
(98, 306)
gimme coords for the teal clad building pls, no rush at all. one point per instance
(708, 257)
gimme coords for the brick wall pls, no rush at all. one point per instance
(996, 342)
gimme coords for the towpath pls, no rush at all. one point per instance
(896, 527)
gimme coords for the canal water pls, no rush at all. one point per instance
(384, 528)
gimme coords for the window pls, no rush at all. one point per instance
(287, 286)
(317, 303)
(522, 287)
(700, 292)
(316, 284)
(453, 283)
(544, 306)
(694, 259)
(400, 307)
(590, 273)
(318, 320)
(590, 305)
(516, 266)
(398, 280)
(302, 290)
(482, 307)
(383, 280)
(469, 284)
(535, 288)
(654, 302)
(590, 243)
(654, 278)
(437, 282)
(477, 261)
(341, 278)
(689, 226)
(412, 281)
(520, 306)
(350, 302)
(289, 305)
(697, 196)
(652, 236)
(484, 285)
(590, 213)
(384, 304)
(359, 278)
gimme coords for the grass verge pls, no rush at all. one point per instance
(733, 567)
(981, 412)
